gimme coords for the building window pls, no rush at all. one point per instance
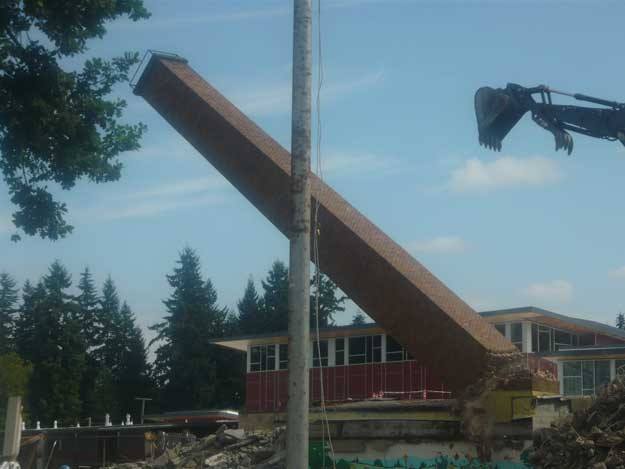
(284, 356)
(501, 328)
(619, 366)
(584, 377)
(563, 339)
(339, 352)
(572, 378)
(323, 346)
(394, 351)
(263, 357)
(548, 339)
(357, 350)
(366, 349)
(516, 335)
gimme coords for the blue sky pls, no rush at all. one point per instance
(524, 226)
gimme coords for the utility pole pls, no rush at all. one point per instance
(12, 430)
(299, 254)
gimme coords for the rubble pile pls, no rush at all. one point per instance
(223, 450)
(477, 423)
(592, 438)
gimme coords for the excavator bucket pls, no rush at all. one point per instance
(497, 111)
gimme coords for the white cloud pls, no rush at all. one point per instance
(5, 224)
(556, 291)
(172, 147)
(188, 186)
(158, 199)
(186, 20)
(264, 100)
(507, 171)
(275, 99)
(438, 245)
(338, 163)
(151, 208)
(618, 273)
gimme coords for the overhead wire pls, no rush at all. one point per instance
(316, 234)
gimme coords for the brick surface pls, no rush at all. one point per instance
(408, 301)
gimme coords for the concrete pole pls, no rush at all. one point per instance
(299, 255)
(12, 429)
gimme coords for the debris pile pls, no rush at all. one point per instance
(477, 423)
(222, 450)
(592, 438)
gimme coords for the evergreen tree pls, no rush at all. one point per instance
(359, 319)
(59, 355)
(26, 321)
(186, 363)
(108, 324)
(620, 321)
(8, 308)
(106, 355)
(275, 301)
(251, 318)
(89, 306)
(132, 374)
(329, 302)
(88, 317)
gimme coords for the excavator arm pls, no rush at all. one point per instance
(498, 110)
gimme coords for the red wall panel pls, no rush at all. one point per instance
(267, 391)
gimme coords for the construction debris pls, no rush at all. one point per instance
(591, 438)
(222, 450)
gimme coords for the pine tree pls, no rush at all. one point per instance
(8, 305)
(329, 302)
(106, 355)
(275, 301)
(88, 317)
(359, 319)
(27, 319)
(620, 321)
(108, 324)
(132, 374)
(250, 314)
(59, 356)
(89, 305)
(186, 361)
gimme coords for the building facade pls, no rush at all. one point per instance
(587, 354)
(360, 362)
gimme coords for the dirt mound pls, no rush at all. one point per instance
(592, 438)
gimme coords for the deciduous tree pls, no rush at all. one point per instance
(59, 125)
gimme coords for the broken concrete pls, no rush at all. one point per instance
(223, 450)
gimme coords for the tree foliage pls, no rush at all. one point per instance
(87, 353)
(359, 319)
(8, 308)
(57, 125)
(59, 354)
(329, 302)
(249, 306)
(14, 376)
(620, 321)
(191, 371)
(275, 300)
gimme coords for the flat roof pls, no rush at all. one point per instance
(529, 312)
